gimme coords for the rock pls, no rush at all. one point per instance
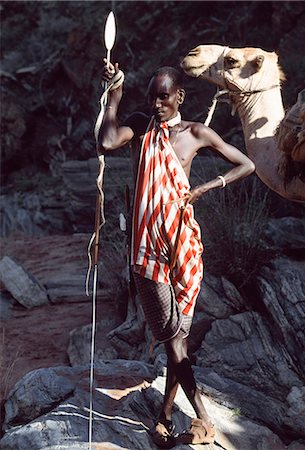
(125, 407)
(287, 235)
(218, 299)
(129, 338)
(38, 392)
(5, 305)
(21, 285)
(296, 445)
(13, 122)
(79, 349)
(243, 399)
(282, 290)
(232, 431)
(242, 349)
(35, 213)
(296, 412)
(80, 181)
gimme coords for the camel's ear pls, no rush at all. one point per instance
(258, 62)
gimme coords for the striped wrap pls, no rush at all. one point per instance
(161, 188)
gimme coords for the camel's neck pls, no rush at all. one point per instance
(260, 114)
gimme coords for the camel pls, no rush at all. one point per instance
(252, 79)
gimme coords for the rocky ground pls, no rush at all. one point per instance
(39, 337)
(248, 345)
(128, 393)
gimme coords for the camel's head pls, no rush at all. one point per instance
(238, 69)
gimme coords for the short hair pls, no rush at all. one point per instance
(175, 75)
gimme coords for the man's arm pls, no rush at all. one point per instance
(243, 165)
(111, 135)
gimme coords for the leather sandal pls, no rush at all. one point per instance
(199, 433)
(162, 434)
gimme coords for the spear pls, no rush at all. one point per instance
(109, 38)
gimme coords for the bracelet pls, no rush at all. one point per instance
(224, 183)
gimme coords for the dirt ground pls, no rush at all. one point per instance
(38, 337)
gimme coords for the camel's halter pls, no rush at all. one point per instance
(240, 92)
(115, 82)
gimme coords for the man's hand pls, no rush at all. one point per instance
(197, 192)
(109, 71)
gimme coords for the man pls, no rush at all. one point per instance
(166, 245)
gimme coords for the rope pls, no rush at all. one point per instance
(213, 105)
(114, 83)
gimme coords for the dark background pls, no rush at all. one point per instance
(51, 62)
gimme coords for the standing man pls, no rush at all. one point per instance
(166, 244)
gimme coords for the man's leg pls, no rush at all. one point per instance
(181, 369)
(171, 387)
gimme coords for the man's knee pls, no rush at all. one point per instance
(176, 349)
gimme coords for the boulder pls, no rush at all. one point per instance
(38, 392)
(242, 348)
(282, 291)
(22, 285)
(79, 349)
(287, 235)
(80, 181)
(126, 403)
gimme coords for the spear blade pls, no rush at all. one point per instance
(109, 34)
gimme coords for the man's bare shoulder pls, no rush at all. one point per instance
(197, 129)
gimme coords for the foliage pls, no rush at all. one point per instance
(233, 221)
(51, 61)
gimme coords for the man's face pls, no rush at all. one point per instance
(163, 98)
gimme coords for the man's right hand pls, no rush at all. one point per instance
(109, 70)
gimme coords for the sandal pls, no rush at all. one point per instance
(162, 434)
(199, 433)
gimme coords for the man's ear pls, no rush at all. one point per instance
(181, 96)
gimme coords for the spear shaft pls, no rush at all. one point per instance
(109, 37)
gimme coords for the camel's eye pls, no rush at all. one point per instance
(231, 62)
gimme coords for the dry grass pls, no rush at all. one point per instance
(233, 221)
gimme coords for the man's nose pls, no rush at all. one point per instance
(156, 103)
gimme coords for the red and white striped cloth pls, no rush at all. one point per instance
(161, 188)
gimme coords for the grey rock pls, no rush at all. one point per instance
(22, 285)
(282, 290)
(37, 392)
(79, 348)
(34, 214)
(5, 305)
(295, 417)
(296, 445)
(287, 235)
(129, 337)
(80, 181)
(245, 400)
(217, 299)
(241, 348)
(124, 408)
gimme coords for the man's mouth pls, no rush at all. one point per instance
(159, 113)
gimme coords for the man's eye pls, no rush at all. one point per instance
(163, 96)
